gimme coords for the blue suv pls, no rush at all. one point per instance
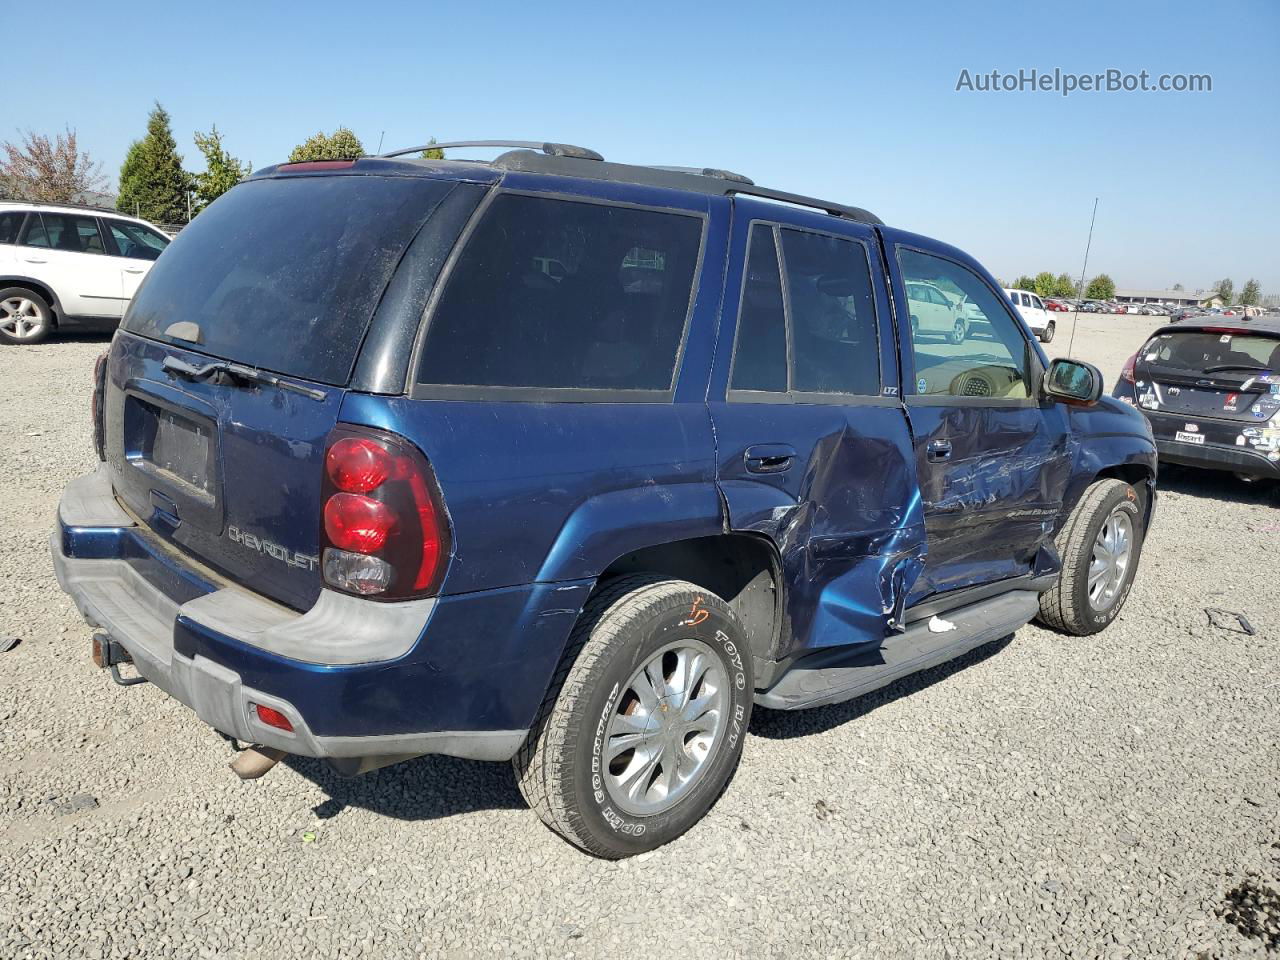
(571, 463)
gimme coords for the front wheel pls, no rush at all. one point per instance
(1100, 546)
(25, 316)
(645, 725)
(1046, 336)
(959, 331)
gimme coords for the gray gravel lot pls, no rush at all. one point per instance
(1046, 796)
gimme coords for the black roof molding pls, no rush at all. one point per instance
(548, 148)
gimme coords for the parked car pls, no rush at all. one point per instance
(1057, 306)
(1032, 310)
(407, 494)
(934, 312)
(65, 267)
(1211, 390)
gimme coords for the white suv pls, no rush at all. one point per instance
(1034, 314)
(66, 266)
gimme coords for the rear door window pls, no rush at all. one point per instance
(10, 223)
(284, 274)
(554, 295)
(760, 360)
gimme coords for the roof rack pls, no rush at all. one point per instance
(799, 200)
(550, 149)
(60, 203)
(707, 172)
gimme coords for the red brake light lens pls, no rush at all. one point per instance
(316, 165)
(357, 464)
(355, 522)
(384, 531)
(1126, 373)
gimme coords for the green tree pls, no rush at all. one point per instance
(1251, 293)
(1024, 283)
(432, 153)
(153, 184)
(1225, 289)
(1064, 286)
(342, 144)
(221, 170)
(1043, 283)
(1177, 286)
(1101, 287)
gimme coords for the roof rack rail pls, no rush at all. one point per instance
(716, 172)
(550, 149)
(799, 200)
(65, 203)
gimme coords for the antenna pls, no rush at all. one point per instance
(380, 136)
(1075, 314)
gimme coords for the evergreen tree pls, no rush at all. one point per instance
(153, 184)
(342, 144)
(222, 171)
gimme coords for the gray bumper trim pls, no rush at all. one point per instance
(113, 596)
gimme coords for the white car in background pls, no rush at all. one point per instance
(66, 267)
(1031, 307)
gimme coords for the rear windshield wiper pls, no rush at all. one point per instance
(1234, 366)
(224, 371)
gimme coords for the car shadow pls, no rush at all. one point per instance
(1216, 485)
(81, 336)
(427, 788)
(787, 724)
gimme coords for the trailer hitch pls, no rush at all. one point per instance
(109, 654)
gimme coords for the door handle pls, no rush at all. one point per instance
(938, 450)
(770, 458)
(135, 270)
(34, 260)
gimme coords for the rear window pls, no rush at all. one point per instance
(285, 274)
(1199, 351)
(554, 294)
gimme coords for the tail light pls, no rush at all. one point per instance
(1126, 373)
(95, 405)
(384, 533)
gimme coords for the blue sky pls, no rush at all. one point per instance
(852, 101)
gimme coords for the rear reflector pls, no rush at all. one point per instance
(273, 718)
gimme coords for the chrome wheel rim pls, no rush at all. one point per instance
(664, 728)
(1109, 565)
(21, 318)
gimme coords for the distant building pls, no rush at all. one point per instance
(1180, 298)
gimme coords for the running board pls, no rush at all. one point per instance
(842, 673)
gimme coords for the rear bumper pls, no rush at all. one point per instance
(1210, 456)
(462, 676)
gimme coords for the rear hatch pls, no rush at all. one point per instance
(1222, 379)
(234, 361)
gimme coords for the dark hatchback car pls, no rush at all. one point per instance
(1210, 387)
(571, 463)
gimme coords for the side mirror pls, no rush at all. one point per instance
(1073, 381)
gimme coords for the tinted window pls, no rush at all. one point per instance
(833, 321)
(991, 359)
(64, 231)
(133, 240)
(613, 320)
(9, 224)
(33, 233)
(1231, 354)
(1035, 302)
(285, 274)
(760, 358)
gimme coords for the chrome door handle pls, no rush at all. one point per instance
(939, 450)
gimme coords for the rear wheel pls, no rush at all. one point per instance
(25, 316)
(645, 727)
(1046, 335)
(1100, 547)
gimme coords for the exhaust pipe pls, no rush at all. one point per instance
(253, 762)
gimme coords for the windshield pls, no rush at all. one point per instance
(1198, 351)
(285, 274)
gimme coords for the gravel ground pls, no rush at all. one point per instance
(1112, 796)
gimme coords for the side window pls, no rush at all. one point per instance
(33, 233)
(833, 321)
(760, 353)
(135, 241)
(65, 231)
(1026, 300)
(614, 319)
(1035, 302)
(991, 357)
(9, 225)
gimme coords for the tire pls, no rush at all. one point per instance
(1069, 606)
(959, 332)
(25, 316)
(915, 325)
(570, 769)
(1049, 331)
